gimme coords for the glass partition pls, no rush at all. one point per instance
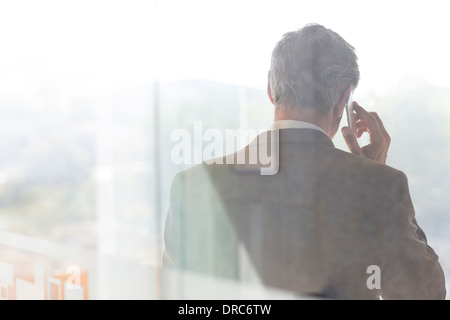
(91, 93)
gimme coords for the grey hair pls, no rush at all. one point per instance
(312, 68)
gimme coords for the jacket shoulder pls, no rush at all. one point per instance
(355, 164)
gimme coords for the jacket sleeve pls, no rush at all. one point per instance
(172, 259)
(173, 229)
(412, 269)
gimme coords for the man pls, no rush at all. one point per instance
(328, 223)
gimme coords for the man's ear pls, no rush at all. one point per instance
(269, 91)
(340, 106)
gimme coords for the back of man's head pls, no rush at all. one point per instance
(312, 68)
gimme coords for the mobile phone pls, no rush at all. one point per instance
(349, 110)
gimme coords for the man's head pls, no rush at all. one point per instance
(312, 71)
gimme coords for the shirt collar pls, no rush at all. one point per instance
(295, 124)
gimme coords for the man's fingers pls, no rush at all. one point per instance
(381, 125)
(360, 131)
(369, 118)
(360, 124)
(361, 127)
(351, 141)
(362, 113)
(379, 138)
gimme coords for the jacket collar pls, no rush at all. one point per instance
(298, 135)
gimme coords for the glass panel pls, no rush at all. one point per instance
(93, 93)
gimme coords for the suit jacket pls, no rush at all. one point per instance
(315, 228)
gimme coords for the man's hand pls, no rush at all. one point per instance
(371, 123)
